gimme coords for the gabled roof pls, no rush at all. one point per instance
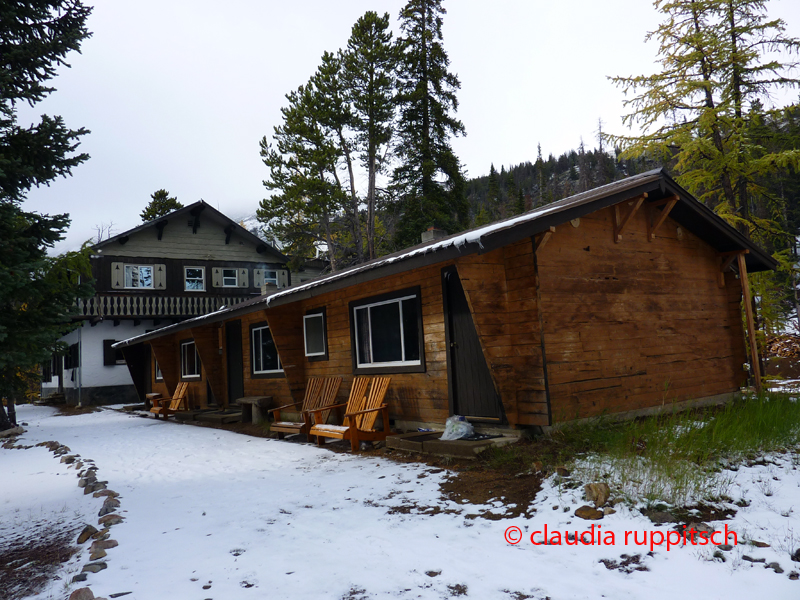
(200, 209)
(688, 212)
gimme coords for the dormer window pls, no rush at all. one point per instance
(139, 276)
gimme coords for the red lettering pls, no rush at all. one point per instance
(627, 534)
(712, 537)
(735, 537)
(677, 543)
(653, 538)
(609, 538)
(575, 543)
(703, 538)
(591, 538)
(636, 538)
(535, 543)
(555, 539)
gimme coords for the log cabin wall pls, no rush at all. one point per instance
(276, 386)
(635, 324)
(167, 351)
(414, 397)
(501, 291)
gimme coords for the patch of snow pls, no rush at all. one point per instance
(257, 518)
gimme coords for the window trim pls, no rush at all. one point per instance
(396, 366)
(138, 287)
(271, 374)
(319, 356)
(235, 277)
(203, 269)
(198, 362)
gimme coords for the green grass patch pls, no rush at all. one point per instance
(676, 457)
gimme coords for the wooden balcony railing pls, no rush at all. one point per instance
(153, 306)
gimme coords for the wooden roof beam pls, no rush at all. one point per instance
(727, 261)
(669, 204)
(544, 238)
(620, 224)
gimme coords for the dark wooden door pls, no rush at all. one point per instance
(233, 345)
(472, 391)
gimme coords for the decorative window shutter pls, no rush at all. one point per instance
(117, 275)
(283, 279)
(216, 277)
(258, 278)
(242, 278)
(160, 277)
(109, 354)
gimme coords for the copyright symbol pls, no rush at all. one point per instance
(513, 534)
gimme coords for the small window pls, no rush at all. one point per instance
(229, 278)
(315, 335)
(195, 278)
(387, 332)
(264, 353)
(159, 374)
(190, 361)
(271, 277)
(139, 276)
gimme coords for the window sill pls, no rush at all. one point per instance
(388, 369)
(269, 375)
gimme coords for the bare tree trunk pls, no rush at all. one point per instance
(5, 422)
(357, 241)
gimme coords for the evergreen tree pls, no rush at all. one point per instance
(160, 204)
(493, 195)
(429, 183)
(369, 63)
(37, 292)
(302, 164)
(717, 58)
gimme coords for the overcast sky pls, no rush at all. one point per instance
(178, 93)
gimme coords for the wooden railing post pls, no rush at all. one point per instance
(751, 325)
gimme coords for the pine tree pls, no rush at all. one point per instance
(38, 292)
(369, 64)
(160, 204)
(308, 192)
(429, 183)
(493, 195)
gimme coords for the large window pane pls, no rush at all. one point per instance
(385, 326)
(195, 279)
(362, 336)
(410, 329)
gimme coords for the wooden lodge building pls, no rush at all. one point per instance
(622, 298)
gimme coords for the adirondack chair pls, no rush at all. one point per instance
(360, 415)
(320, 394)
(176, 403)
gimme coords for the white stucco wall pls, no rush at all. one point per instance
(95, 374)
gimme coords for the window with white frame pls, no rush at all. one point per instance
(229, 278)
(190, 361)
(139, 276)
(387, 332)
(271, 277)
(159, 374)
(264, 353)
(195, 278)
(315, 335)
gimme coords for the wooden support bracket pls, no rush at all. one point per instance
(727, 261)
(620, 223)
(652, 226)
(751, 326)
(544, 238)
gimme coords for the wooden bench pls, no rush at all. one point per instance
(253, 409)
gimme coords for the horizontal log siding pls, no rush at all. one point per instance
(277, 387)
(501, 292)
(635, 324)
(411, 396)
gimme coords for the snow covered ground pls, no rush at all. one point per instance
(213, 514)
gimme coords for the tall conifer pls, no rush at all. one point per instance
(429, 182)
